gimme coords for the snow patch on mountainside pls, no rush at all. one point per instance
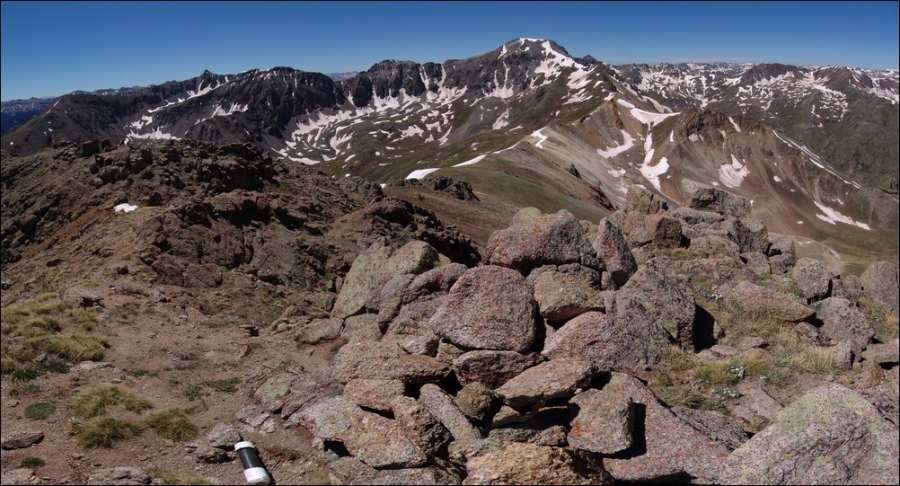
(614, 151)
(732, 175)
(833, 216)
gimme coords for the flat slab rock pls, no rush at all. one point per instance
(523, 463)
(554, 379)
(371, 438)
(756, 299)
(665, 446)
(489, 307)
(831, 435)
(387, 361)
(491, 368)
(604, 424)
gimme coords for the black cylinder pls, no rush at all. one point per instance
(249, 457)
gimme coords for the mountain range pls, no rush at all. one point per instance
(815, 148)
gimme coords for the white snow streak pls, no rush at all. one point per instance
(834, 217)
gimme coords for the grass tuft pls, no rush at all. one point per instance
(39, 410)
(92, 402)
(172, 424)
(32, 462)
(102, 431)
(226, 386)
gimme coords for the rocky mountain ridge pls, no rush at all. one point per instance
(498, 121)
(262, 300)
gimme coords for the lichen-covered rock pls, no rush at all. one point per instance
(847, 287)
(21, 439)
(420, 425)
(348, 470)
(477, 401)
(754, 299)
(812, 278)
(665, 445)
(604, 422)
(666, 230)
(707, 198)
(696, 216)
(119, 475)
(271, 394)
(489, 307)
(666, 296)
(371, 438)
(553, 239)
(523, 463)
(713, 424)
(373, 268)
(553, 379)
(620, 342)
(830, 435)
(640, 200)
(441, 406)
(561, 297)
(613, 251)
(223, 436)
(319, 330)
(492, 368)
(375, 394)
(880, 283)
(841, 320)
(387, 361)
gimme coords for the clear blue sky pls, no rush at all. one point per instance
(51, 48)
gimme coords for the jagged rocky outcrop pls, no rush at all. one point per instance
(505, 370)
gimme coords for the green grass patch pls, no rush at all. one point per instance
(22, 389)
(32, 463)
(102, 431)
(92, 402)
(39, 410)
(172, 424)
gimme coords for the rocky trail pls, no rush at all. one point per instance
(162, 302)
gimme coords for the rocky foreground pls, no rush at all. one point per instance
(551, 356)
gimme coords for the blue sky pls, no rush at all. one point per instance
(52, 48)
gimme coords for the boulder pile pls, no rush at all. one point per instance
(521, 370)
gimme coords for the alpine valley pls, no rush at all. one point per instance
(517, 268)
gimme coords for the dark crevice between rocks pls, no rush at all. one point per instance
(337, 447)
(702, 337)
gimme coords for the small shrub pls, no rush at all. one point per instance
(54, 366)
(32, 462)
(39, 410)
(93, 401)
(172, 424)
(715, 373)
(102, 431)
(142, 372)
(25, 374)
(21, 389)
(726, 393)
(194, 392)
(226, 386)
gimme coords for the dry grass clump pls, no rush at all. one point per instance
(102, 431)
(92, 402)
(886, 325)
(172, 424)
(33, 326)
